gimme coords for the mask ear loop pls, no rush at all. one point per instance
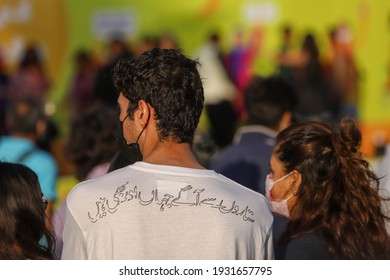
(136, 142)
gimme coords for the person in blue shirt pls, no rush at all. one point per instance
(270, 103)
(26, 123)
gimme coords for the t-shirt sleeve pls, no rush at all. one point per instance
(269, 246)
(265, 236)
(73, 239)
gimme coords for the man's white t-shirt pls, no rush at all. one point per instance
(147, 211)
(383, 171)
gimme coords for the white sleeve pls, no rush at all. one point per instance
(269, 246)
(73, 238)
(264, 239)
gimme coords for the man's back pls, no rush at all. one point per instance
(246, 161)
(148, 211)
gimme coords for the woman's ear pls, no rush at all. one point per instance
(297, 180)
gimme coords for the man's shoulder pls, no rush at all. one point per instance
(39, 157)
(100, 184)
(240, 191)
(10, 143)
(254, 153)
(26, 151)
(229, 154)
(223, 157)
(43, 153)
(247, 141)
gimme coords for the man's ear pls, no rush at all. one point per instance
(143, 113)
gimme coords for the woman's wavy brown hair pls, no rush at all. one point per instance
(23, 234)
(338, 195)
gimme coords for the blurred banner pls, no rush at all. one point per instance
(43, 23)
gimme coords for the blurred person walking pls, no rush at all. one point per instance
(219, 92)
(270, 104)
(342, 72)
(26, 123)
(307, 76)
(104, 92)
(80, 97)
(240, 62)
(30, 79)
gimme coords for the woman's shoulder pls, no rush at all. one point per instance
(306, 247)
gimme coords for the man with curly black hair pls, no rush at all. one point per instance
(165, 205)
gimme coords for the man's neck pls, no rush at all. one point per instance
(170, 153)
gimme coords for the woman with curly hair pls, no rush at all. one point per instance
(23, 234)
(320, 181)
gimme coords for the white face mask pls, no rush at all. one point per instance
(278, 206)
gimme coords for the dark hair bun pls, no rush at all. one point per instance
(350, 134)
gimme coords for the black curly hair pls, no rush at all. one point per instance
(169, 81)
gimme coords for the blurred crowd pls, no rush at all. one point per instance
(326, 79)
(243, 111)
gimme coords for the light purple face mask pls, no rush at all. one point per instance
(280, 205)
